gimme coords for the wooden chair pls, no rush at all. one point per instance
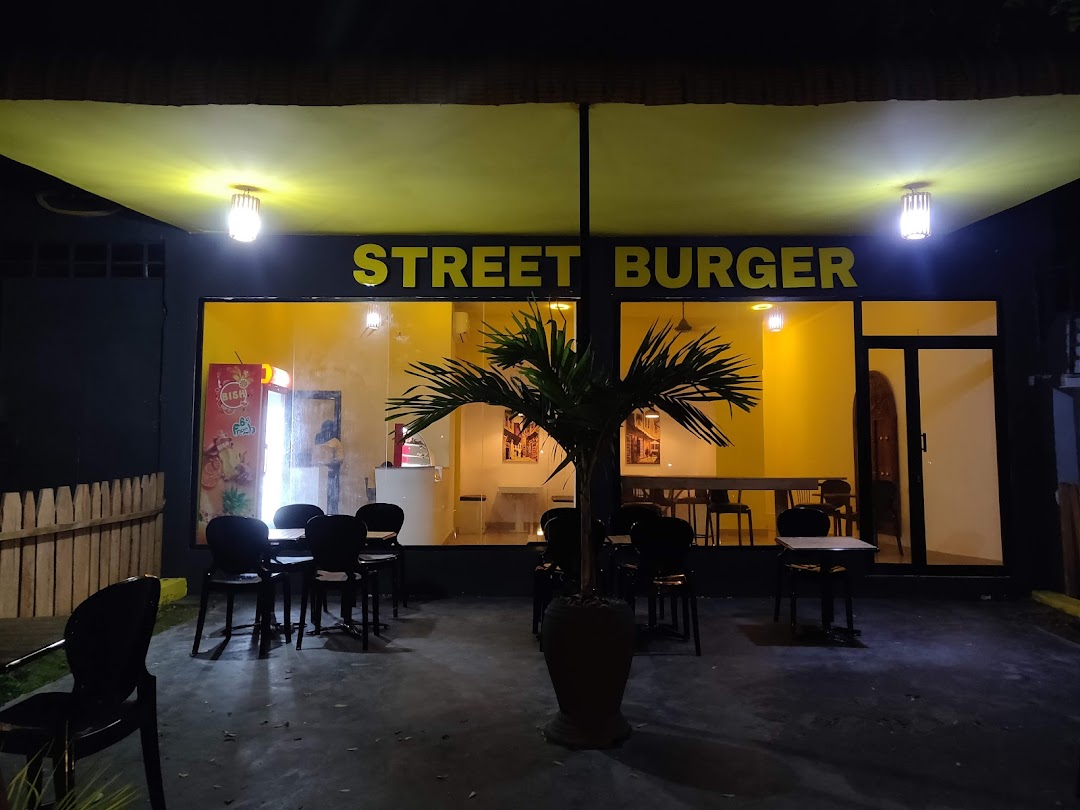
(720, 503)
(692, 499)
(106, 641)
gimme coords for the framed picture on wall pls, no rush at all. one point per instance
(643, 439)
(520, 443)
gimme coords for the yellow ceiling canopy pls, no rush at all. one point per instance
(429, 169)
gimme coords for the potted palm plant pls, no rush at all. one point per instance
(539, 373)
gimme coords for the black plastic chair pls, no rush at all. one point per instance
(336, 542)
(241, 562)
(105, 640)
(627, 514)
(295, 515)
(807, 521)
(560, 565)
(720, 503)
(663, 545)
(386, 517)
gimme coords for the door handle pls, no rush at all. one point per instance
(924, 442)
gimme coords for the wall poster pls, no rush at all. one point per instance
(642, 439)
(520, 443)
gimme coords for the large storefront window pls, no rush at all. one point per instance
(479, 477)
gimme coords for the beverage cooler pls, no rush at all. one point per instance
(243, 464)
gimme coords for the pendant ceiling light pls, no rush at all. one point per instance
(651, 413)
(682, 326)
(774, 321)
(244, 221)
(915, 214)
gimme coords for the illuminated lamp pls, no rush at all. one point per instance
(915, 214)
(559, 305)
(760, 307)
(651, 413)
(244, 219)
(774, 321)
(374, 319)
(275, 376)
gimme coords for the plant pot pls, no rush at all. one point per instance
(588, 648)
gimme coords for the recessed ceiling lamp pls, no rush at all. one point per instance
(681, 326)
(244, 219)
(559, 305)
(760, 307)
(915, 214)
(651, 413)
(774, 321)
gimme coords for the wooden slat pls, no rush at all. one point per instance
(136, 528)
(10, 519)
(146, 526)
(74, 526)
(65, 556)
(28, 578)
(125, 529)
(159, 523)
(115, 530)
(80, 572)
(94, 563)
(45, 551)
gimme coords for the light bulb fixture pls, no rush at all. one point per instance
(244, 221)
(915, 214)
(562, 306)
(682, 326)
(774, 321)
(374, 319)
(760, 307)
(651, 413)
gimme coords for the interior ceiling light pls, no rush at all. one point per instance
(762, 306)
(374, 319)
(244, 221)
(915, 214)
(559, 305)
(651, 413)
(681, 326)
(774, 321)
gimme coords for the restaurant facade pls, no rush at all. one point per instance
(902, 369)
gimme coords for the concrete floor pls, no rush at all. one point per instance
(945, 705)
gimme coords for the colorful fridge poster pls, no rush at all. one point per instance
(229, 462)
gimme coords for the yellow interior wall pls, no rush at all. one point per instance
(938, 318)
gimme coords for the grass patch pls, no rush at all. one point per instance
(52, 667)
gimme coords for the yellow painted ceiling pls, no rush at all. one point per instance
(691, 169)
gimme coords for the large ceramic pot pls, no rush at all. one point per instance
(588, 648)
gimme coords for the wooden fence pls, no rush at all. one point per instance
(58, 547)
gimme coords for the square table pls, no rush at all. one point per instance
(824, 552)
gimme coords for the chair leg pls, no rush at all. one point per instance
(286, 596)
(63, 778)
(848, 609)
(394, 592)
(792, 598)
(652, 610)
(750, 525)
(686, 614)
(675, 613)
(304, 596)
(738, 525)
(364, 610)
(266, 598)
(148, 734)
(228, 614)
(404, 582)
(319, 596)
(204, 601)
(660, 599)
(779, 586)
(694, 623)
(375, 596)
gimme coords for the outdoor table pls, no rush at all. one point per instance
(825, 552)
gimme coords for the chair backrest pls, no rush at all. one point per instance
(106, 639)
(335, 541)
(555, 512)
(719, 497)
(835, 487)
(382, 517)
(563, 537)
(628, 514)
(663, 544)
(295, 515)
(240, 545)
(802, 521)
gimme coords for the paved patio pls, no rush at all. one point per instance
(945, 705)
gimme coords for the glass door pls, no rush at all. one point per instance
(929, 489)
(958, 446)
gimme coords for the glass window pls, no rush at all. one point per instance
(325, 439)
(930, 318)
